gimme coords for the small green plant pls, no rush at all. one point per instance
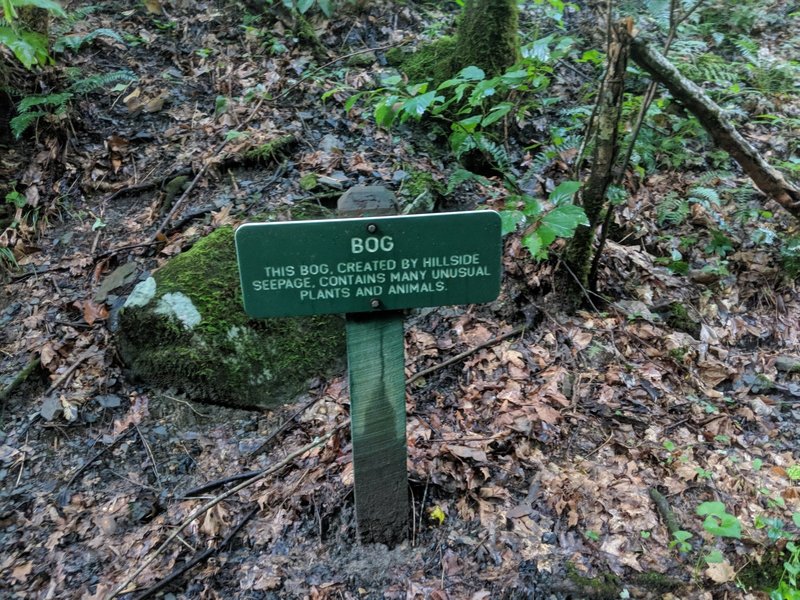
(540, 228)
(718, 522)
(32, 108)
(789, 584)
(30, 48)
(681, 541)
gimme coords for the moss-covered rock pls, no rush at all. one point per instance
(431, 62)
(185, 327)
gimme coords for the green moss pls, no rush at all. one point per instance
(656, 582)
(271, 151)
(604, 587)
(680, 319)
(227, 357)
(487, 35)
(432, 61)
(420, 191)
(763, 576)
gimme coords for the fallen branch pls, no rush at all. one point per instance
(66, 374)
(669, 518)
(212, 485)
(63, 497)
(465, 354)
(19, 378)
(122, 588)
(283, 426)
(768, 179)
(197, 559)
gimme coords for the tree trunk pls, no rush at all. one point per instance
(487, 35)
(768, 179)
(609, 109)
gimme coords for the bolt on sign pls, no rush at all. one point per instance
(370, 268)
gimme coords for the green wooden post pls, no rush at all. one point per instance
(378, 425)
(375, 361)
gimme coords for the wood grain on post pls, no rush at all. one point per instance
(375, 361)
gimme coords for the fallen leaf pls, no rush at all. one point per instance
(153, 7)
(20, 573)
(467, 452)
(93, 312)
(721, 572)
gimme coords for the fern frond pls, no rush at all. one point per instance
(74, 42)
(21, 122)
(704, 193)
(101, 80)
(747, 48)
(460, 176)
(673, 209)
(48, 100)
(659, 10)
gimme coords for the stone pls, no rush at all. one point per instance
(185, 327)
(788, 364)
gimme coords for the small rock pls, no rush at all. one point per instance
(788, 364)
(549, 538)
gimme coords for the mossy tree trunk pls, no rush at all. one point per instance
(487, 35)
(593, 194)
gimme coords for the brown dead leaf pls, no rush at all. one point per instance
(21, 572)
(721, 572)
(92, 312)
(153, 7)
(467, 452)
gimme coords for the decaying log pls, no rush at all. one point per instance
(768, 179)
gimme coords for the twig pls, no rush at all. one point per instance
(19, 378)
(197, 559)
(212, 485)
(66, 374)
(216, 500)
(149, 452)
(186, 192)
(284, 425)
(465, 354)
(63, 497)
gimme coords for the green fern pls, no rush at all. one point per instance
(672, 210)
(704, 193)
(46, 100)
(747, 48)
(74, 42)
(460, 176)
(21, 122)
(101, 80)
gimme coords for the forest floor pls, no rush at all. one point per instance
(536, 461)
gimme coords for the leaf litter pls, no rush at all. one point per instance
(531, 458)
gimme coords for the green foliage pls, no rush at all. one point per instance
(681, 541)
(540, 227)
(789, 584)
(57, 103)
(75, 41)
(303, 6)
(29, 47)
(790, 257)
(719, 522)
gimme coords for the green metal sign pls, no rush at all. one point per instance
(369, 264)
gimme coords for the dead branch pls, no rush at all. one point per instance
(768, 179)
(197, 559)
(19, 378)
(216, 500)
